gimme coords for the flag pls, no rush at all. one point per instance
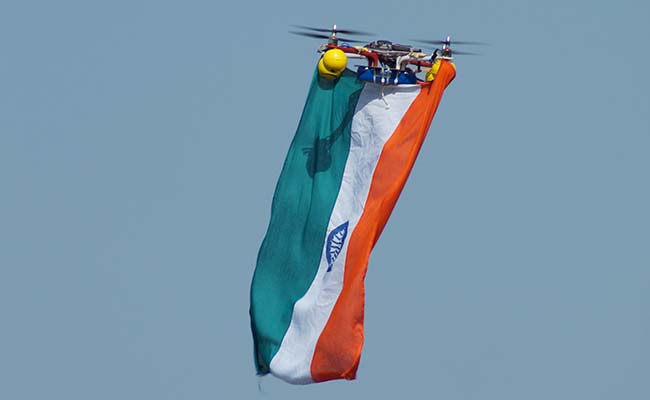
(349, 160)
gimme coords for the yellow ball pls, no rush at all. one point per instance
(435, 68)
(431, 75)
(332, 64)
(335, 60)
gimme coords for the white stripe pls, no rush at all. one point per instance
(372, 126)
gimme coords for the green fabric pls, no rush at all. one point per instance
(304, 197)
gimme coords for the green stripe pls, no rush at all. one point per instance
(302, 204)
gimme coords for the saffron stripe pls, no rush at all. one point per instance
(338, 349)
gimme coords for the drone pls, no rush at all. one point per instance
(387, 62)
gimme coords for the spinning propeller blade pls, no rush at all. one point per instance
(465, 53)
(330, 30)
(448, 43)
(320, 36)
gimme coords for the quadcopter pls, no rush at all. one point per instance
(387, 62)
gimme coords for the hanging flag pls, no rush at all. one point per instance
(353, 151)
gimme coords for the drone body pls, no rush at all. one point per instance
(387, 62)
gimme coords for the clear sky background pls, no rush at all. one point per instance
(140, 143)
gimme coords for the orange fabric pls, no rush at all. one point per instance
(338, 349)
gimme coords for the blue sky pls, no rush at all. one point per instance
(140, 143)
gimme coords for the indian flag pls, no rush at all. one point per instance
(353, 151)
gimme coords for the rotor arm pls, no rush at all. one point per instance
(421, 63)
(372, 57)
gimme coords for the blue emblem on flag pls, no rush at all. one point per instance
(335, 241)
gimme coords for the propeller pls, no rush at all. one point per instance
(332, 30)
(319, 36)
(449, 42)
(465, 53)
(446, 46)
